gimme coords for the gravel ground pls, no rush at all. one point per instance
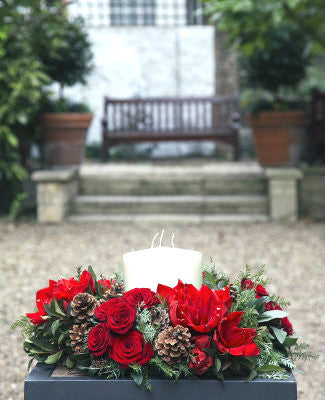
(294, 254)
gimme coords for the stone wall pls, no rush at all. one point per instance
(226, 69)
(312, 193)
(147, 61)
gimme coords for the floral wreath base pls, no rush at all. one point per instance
(224, 329)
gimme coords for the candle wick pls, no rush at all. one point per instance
(153, 240)
(173, 235)
(161, 237)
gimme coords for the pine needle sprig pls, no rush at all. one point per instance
(144, 325)
(300, 351)
(281, 301)
(244, 298)
(23, 323)
(164, 368)
(118, 275)
(279, 375)
(287, 363)
(111, 370)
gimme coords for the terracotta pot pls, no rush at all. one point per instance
(278, 136)
(64, 138)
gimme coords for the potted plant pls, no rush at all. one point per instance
(64, 123)
(276, 39)
(276, 113)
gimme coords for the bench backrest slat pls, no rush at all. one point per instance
(199, 114)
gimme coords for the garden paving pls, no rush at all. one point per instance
(294, 255)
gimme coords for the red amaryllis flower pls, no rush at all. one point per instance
(130, 348)
(98, 339)
(118, 314)
(200, 310)
(237, 341)
(63, 289)
(43, 296)
(143, 297)
(106, 283)
(86, 280)
(200, 362)
(202, 341)
(285, 323)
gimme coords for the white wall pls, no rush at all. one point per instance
(147, 61)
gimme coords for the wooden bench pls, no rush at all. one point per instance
(170, 119)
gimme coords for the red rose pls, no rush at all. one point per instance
(143, 297)
(261, 291)
(120, 315)
(237, 341)
(130, 348)
(200, 310)
(287, 326)
(101, 311)
(200, 362)
(98, 339)
(285, 323)
(202, 341)
(247, 284)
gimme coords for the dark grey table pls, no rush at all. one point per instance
(40, 385)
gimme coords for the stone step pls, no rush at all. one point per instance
(210, 179)
(181, 204)
(170, 218)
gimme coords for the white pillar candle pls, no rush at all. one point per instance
(165, 265)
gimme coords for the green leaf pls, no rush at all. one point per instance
(252, 375)
(290, 341)
(209, 352)
(30, 364)
(98, 286)
(54, 358)
(55, 326)
(258, 304)
(280, 334)
(217, 364)
(62, 337)
(270, 368)
(57, 308)
(41, 343)
(69, 363)
(273, 314)
(48, 309)
(137, 376)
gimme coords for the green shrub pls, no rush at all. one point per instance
(275, 71)
(38, 46)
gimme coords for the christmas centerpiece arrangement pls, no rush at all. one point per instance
(167, 317)
(221, 329)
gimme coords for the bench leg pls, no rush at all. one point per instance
(236, 145)
(105, 148)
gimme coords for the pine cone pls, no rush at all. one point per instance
(173, 344)
(100, 363)
(160, 317)
(82, 307)
(114, 291)
(78, 336)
